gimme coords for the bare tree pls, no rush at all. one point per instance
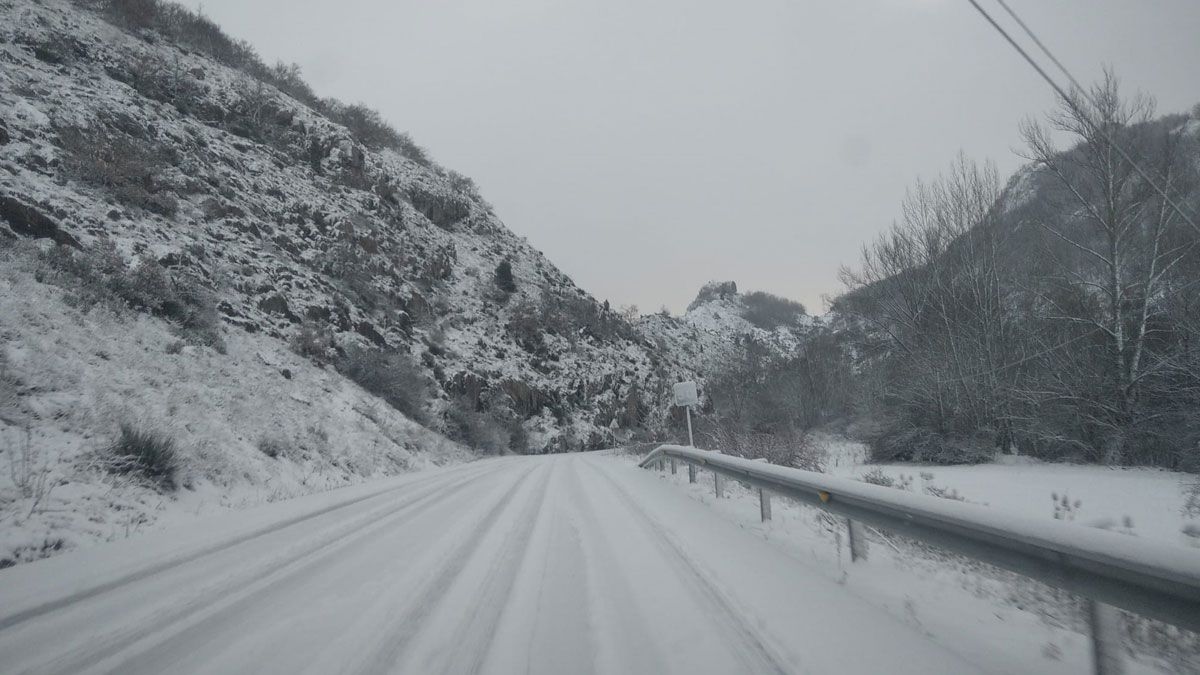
(1114, 256)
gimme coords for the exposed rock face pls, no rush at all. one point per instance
(714, 290)
(30, 222)
(294, 221)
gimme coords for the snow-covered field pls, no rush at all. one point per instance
(999, 620)
(1144, 502)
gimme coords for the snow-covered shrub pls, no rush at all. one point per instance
(943, 493)
(314, 340)
(194, 29)
(572, 315)
(99, 276)
(167, 81)
(146, 453)
(768, 311)
(287, 78)
(463, 184)
(272, 447)
(203, 34)
(370, 129)
(475, 429)
(525, 325)
(1191, 505)
(504, 277)
(148, 287)
(194, 308)
(128, 167)
(878, 477)
(132, 13)
(28, 467)
(389, 375)
(785, 448)
(1064, 508)
(920, 444)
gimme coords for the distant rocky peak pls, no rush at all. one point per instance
(714, 290)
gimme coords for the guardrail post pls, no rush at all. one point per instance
(1105, 623)
(673, 467)
(858, 541)
(764, 504)
(691, 473)
(719, 484)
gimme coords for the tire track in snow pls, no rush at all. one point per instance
(11, 620)
(613, 589)
(408, 624)
(94, 653)
(475, 636)
(562, 609)
(759, 656)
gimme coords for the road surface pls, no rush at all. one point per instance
(559, 564)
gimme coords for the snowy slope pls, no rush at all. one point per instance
(713, 332)
(69, 378)
(294, 224)
(291, 219)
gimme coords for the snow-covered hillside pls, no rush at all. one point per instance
(714, 331)
(295, 222)
(213, 198)
(255, 424)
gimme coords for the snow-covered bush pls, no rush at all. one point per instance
(768, 311)
(133, 13)
(314, 340)
(99, 276)
(919, 444)
(785, 448)
(272, 447)
(28, 467)
(130, 168)
(146, 453)
(1191, 505)
(370, 129)
(504, 277)
(167, 81)
(477, 430)
(389, 375)
(525, 325)
(878, 477)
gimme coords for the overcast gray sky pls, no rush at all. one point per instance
(647, 146)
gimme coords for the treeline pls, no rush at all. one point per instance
(1058, 316)
(194, 30)
(763, 404)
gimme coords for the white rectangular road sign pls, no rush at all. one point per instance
(685, 394)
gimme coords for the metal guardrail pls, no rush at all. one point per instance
(1144, 577)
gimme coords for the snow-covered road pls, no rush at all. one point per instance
(560, 564)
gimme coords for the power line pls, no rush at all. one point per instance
(1045, 50)
(1071, 101)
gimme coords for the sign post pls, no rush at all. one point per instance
(686, 396)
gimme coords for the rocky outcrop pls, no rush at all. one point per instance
(28, 221)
